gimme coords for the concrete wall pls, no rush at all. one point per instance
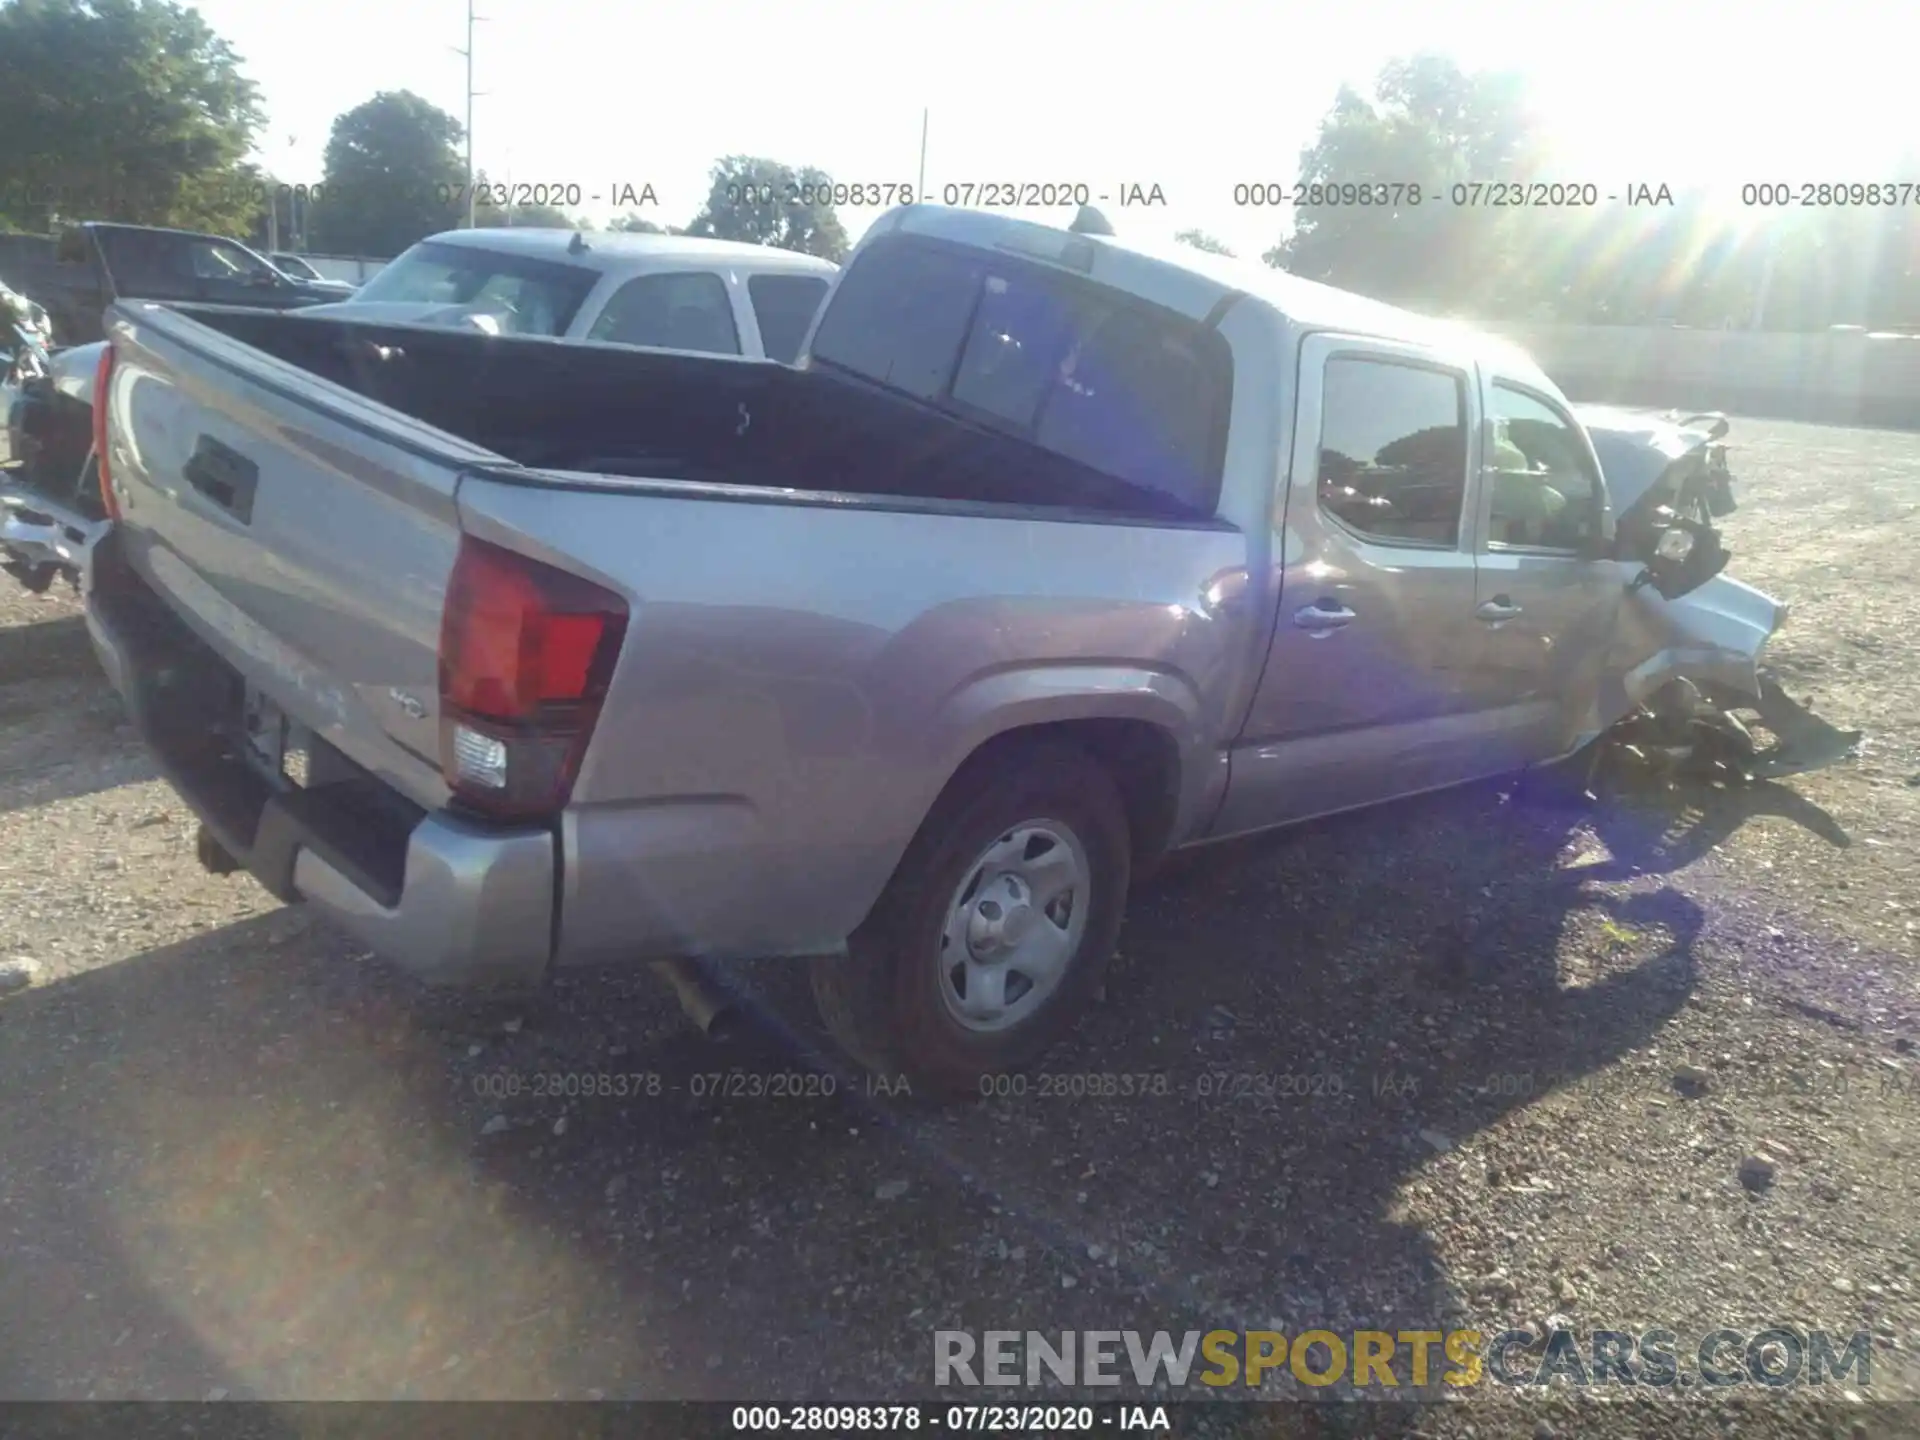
(1845, 377)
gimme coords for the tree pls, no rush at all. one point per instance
(767, 203)
(1200, 240)
(537, 217)
(128, 110)
(633, 224)
(393, 176)
(1428, 125)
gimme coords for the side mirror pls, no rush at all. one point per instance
(1715, 423)
(1686, 556)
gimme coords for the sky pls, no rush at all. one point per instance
(1194, 97)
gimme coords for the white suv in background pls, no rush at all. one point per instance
(672, 292)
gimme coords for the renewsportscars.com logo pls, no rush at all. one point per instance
(1390, 1359)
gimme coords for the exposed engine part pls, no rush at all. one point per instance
(1688, 728)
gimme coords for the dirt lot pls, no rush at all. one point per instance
(239, 1158)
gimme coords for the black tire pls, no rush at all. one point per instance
(882, 1001)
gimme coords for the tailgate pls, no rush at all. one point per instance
(304, 532)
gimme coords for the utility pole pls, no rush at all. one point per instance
(920, 190)
(472, 19)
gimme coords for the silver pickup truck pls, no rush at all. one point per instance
(1052, 555)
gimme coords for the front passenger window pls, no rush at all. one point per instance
(1546, 494)
(1393, 450)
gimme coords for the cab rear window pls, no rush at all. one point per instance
(1094, 376)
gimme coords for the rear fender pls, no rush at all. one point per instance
(1022, 697)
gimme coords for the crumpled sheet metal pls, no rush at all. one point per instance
(1712, 636)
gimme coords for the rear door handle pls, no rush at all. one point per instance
(1323, 617)
(1500, 607)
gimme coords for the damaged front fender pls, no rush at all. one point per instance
(1683, 671)
(1691, 673)
(1711, 636)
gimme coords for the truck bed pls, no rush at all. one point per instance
(296, 495)
(607, 410)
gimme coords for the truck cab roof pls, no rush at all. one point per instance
(1196, 284)
(618, 251)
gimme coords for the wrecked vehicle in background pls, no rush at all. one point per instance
(21, 312)
(51, 510)
(1692, 688)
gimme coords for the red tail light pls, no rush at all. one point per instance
(102, 374)
(526, 652)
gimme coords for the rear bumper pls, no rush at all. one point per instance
(474, 907)
(452, 902)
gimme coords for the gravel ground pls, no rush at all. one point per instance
(238, 1157)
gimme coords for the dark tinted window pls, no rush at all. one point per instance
(1545, 491)
(1393, 450)
(899, 315)
(784, 305)
(1144, 399)
(1021, 332)
(676, 312)
(145, 254)
(1135, 393)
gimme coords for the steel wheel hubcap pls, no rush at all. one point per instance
(1014, 926)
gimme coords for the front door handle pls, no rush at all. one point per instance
(1323, 617)
(1500, 607)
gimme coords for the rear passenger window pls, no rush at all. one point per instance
(1393, 450)
(688, 311)
(783, 306)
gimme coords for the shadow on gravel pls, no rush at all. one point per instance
(46, 650)
(64, 736)
(1667, 829)
(256, 1162)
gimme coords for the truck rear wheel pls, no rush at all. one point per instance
(994, 934)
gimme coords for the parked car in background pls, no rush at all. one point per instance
(296, 266)
(710, 296)
(717, 297)
(1051, 555)
(77, 275)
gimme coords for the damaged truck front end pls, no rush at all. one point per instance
(1692, 691)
